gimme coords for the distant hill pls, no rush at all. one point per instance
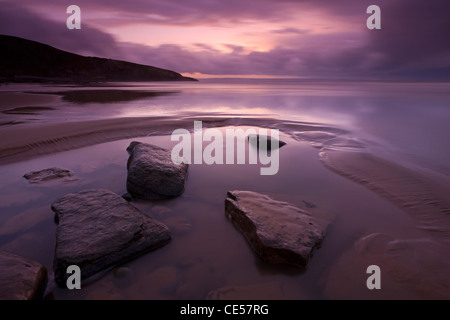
(23, 60)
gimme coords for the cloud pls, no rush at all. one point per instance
(412, 44)
(279, 61)
(291, 31)
(414, 39)
(236, 49)
(200, 12)
(24, 23)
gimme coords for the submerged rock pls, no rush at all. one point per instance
(20, 278)
(123, 277)
(98, 229)
(152, 174)
(50, 174)
(278, 232)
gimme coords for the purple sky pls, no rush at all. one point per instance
(325, 39)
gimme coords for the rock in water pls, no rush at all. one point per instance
(264, 142)
(20, 278)
(279, 232)
(50, 174)
(98, 229)
(152, 174)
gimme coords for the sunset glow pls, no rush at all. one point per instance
(313, 39)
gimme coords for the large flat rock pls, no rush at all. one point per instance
(50, 175)
(20, 278)
(152, 174)
(278, 232)
(98, 229)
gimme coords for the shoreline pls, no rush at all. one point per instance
(416, 193)
(26, 141)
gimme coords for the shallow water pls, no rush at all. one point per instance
(207, 252)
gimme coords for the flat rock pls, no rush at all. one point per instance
(20, 278)
(152, 174)
(278, 232)
(264, 142)
(98, 229)
(50, 175)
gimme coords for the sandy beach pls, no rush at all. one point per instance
(386, 213)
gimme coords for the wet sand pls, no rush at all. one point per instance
(417, 267)
(424, 197)
(31, 140)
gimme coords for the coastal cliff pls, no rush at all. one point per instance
(23, 60)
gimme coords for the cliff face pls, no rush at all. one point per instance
(29, 61)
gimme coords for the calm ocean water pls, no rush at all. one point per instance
(400, 119)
